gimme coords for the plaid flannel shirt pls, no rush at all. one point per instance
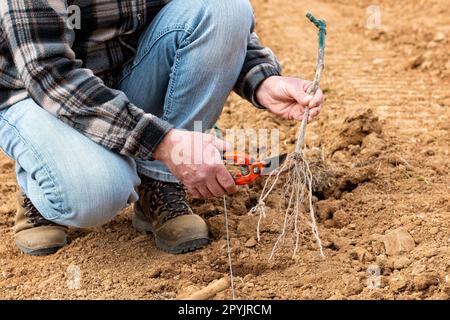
(72, 72)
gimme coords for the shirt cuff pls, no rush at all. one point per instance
(147, 135)
(254, 78)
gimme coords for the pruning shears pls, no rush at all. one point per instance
(249, 168)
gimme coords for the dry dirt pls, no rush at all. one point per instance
(384, 131)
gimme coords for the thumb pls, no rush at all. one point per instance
(222, 145)
(308, 97)
(296, 92)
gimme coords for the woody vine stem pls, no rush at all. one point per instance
(300, 181)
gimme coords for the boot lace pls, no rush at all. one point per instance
(34, 215)
(171, 197)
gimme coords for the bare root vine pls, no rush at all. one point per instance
(298, 186)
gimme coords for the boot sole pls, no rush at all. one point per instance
(40, 252)
(187, 246)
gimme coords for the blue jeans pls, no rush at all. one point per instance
(187, 63)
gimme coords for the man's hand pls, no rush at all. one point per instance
(195, 159)
(287, 97)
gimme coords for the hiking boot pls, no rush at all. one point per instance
(35, 235)
(162, 209)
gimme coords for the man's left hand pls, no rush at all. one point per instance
(287, 97)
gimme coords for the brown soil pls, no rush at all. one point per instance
(384, 133)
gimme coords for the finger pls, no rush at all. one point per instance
(297, 113)
(314, 113)
(297, 91)
(194, 193)
(203, 190)
(225, 179)
(215, 188)
(317, 100)
(307, 85)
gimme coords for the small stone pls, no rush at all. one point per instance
(428, 253)
(401, 262)
(434, 231)
(7, 275)
(423, 282)
(431, 45)
(398, 284)
(378, 61)
(170, 295)
(398, 241)
(362, 255)
(418, 269)
(439, 36)
(415, 62)
(243, 255)
(80, 293)
(107, 284)
(154, 273)
(381, 259)
(251, 243)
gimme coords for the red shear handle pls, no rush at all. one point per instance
(252, 169)
(255, 170)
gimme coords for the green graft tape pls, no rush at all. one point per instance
(322, 26)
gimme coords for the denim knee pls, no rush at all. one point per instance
(232, 17)
(97, 200)
(91, 201)
(70, 179)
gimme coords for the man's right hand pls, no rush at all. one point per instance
(195, 159)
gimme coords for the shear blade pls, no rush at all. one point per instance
(273, 163)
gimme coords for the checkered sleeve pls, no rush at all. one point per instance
(40, 41)
(260, 63)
